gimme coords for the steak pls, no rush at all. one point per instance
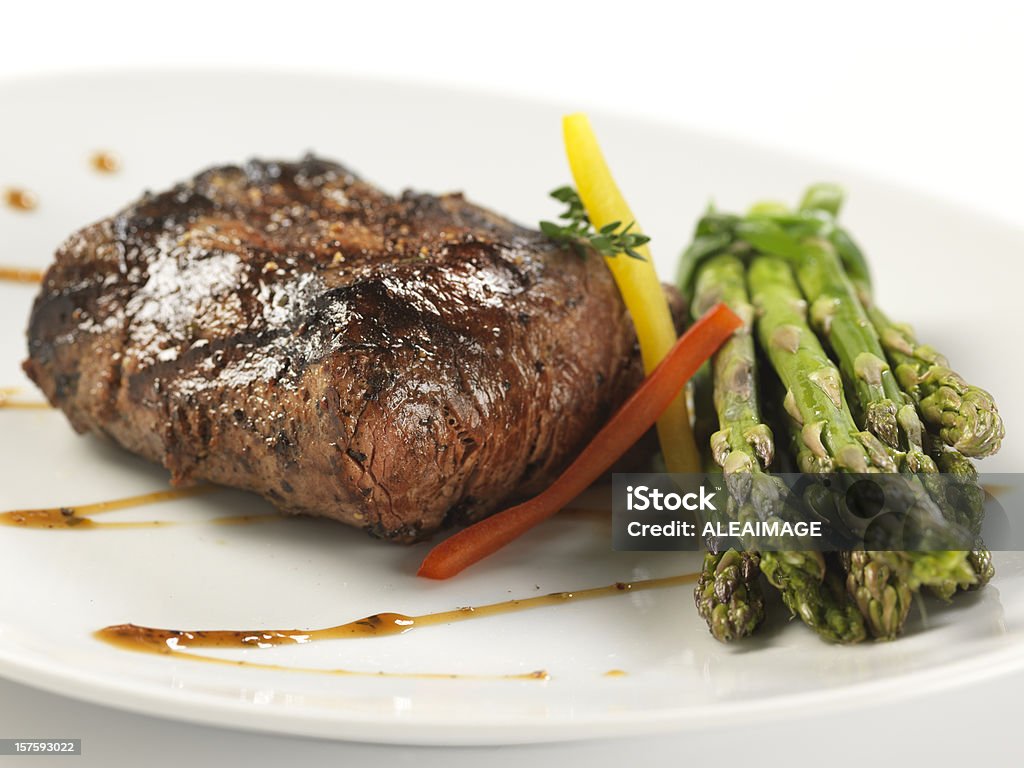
(400, 364)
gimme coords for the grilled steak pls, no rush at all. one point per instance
(399, 364)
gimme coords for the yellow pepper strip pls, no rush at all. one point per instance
(637, 280)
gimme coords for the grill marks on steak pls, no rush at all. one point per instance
(399, 364)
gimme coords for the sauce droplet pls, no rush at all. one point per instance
(615, 673)
(20, 199)
(105, 162)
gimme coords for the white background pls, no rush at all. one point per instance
(925, 94)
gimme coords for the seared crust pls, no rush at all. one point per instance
(399, 364)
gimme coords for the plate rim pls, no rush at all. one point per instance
(421, 730)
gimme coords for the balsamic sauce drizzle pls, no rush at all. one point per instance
(7, 401)
(175, 641)
(77, 517)
(20, 275)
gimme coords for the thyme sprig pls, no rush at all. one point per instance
(578, 231)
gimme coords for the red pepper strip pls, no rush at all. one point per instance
(630, 422)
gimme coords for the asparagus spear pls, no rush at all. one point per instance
(883, 582)
(937, 568)
(836, 313)
(979, 571)
(828, 198)
(743, 447)
(728, 593)
(815, 398)
(950, 461)
(814, 389)
(964, 416)
(810, 588)
(984, 569)
(969, 500)
(971, 504)
(801, 578)
(743, 440)
(838, 316)
(823, 201)
(883, 597)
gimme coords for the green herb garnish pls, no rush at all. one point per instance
(579, 232)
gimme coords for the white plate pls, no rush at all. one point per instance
(953, 273)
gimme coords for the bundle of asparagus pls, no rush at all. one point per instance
(853, 392)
